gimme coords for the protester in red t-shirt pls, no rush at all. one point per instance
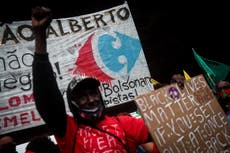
(88, 129)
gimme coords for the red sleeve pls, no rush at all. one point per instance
(155, 150)
(135, 129)
(66, 143)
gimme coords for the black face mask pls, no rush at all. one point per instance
(92, 114)
(88, 114)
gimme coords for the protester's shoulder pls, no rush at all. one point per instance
(117, 118)
(69, 117)
(123, 119)
(71, 120)
(128, 119)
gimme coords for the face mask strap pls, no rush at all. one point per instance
(74, 103)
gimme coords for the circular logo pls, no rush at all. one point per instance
(173, 93)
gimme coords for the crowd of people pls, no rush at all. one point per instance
(88, 129)
(37, 144)
(44, 144)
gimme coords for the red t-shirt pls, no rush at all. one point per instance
(131, 131)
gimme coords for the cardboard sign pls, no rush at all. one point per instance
(185, 120)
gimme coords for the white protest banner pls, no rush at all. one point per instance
(104, 45)
(185, 120)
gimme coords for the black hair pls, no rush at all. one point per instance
(7, 145)
(42, 144)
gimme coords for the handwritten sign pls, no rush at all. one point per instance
(104, 45)
(185, 120)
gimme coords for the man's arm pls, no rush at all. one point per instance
(48, 99)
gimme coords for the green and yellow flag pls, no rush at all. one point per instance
(154, 82)
(214, 71)
(187, 77)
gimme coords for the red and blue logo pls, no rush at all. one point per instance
(114, 58)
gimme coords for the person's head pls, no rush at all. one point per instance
(179, 79)
(223, 89)
(85, 100)
(42, 144)
(159, 85)
(7, 145)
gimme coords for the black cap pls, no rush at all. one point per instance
(82, 84)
